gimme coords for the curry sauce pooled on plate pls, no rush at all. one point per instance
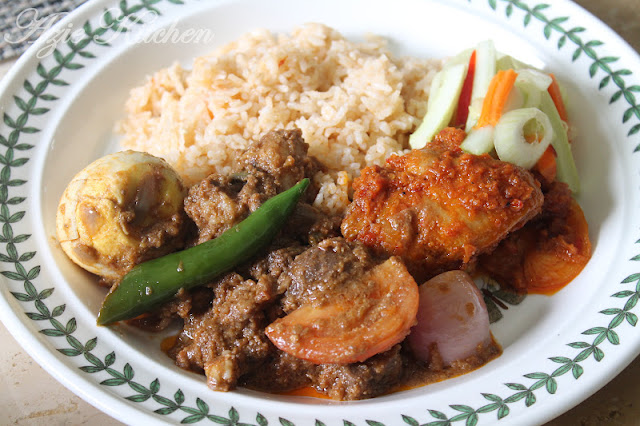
(313, 248)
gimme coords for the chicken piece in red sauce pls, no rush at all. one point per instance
(438, 208)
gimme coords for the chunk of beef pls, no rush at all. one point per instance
(219, 202)
(361, 380)
(273, 264)
(281, 154)
(321, 271)
(194, 301)
(273, 164)
(322, 275)
(281, 372)
(309, 225)
(227, 340)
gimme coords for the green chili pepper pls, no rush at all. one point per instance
(158, 280)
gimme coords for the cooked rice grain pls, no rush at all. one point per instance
(355, 103)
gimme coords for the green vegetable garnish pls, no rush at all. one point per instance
(442, 103)
(158, 280)
(511, 141)
(567, 171)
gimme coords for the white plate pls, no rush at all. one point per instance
(58, 113)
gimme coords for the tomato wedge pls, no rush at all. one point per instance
(550, 266)
(352, 325)
(546, 255)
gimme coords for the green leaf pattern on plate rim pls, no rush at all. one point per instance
(72, 56)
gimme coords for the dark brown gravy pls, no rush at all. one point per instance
(417, 375)
(421, 374)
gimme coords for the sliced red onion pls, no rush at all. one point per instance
(452, 315)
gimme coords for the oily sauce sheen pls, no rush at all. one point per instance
(548, 252)
(432, 210)
(439, 208)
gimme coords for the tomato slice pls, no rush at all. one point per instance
(352, 325)
(550, 266)
(548, 252)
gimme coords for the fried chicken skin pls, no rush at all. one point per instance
(438, 208)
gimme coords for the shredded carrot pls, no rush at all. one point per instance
(556, 96)
(496, 97)
(546, 165)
